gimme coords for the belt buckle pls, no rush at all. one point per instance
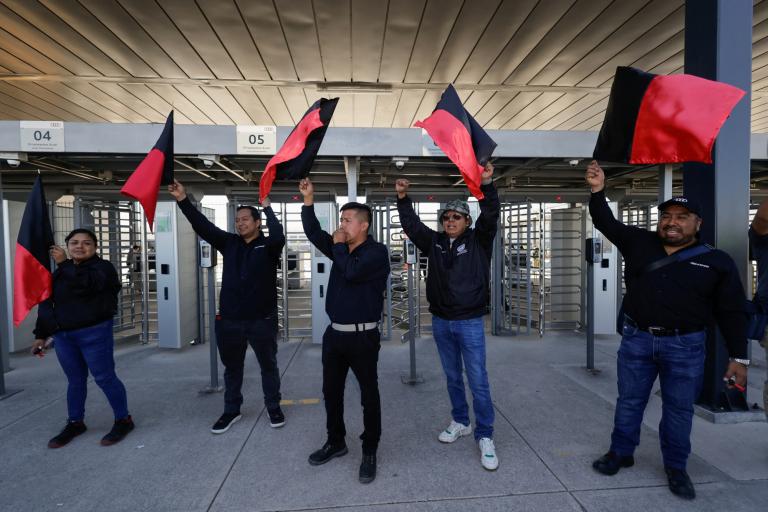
(655, 330)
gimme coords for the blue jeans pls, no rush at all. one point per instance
(679, 363)
(459, 340)
(90, 348)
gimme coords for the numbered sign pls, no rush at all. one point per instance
(42, 135)
(256, 140)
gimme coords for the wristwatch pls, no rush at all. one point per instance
(745, 362)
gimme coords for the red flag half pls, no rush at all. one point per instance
(654, 119)
(32, 282)
(460, 137)
(298, 152)
(156, 169)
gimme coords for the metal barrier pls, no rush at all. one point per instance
(537, 275)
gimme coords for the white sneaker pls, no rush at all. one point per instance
(454, 431)
(488, 454)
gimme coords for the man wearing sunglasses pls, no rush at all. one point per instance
(247, 302)
(459, 260)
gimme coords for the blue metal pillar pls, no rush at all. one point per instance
(718, 46)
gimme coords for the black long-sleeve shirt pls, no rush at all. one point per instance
(83, 295)
(457, 282)
(682, 295)
(358, 278)
(249, 279)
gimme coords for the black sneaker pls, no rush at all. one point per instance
(680, 483)
(327, 452)
(119, 430)
(611, 463)
(276, 418)
(368, 469)
(225, 421)
(71, 430)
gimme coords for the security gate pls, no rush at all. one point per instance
(537, 269)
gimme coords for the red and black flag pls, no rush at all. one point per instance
(298, 152)
(654, 119)
(463, 141)
(156, 169)
(32, 282)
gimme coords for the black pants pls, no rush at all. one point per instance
(232, 339)
(360, 352)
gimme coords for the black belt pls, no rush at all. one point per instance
(660, 331)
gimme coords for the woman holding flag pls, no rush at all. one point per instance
(78, 315)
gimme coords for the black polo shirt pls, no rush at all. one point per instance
(249, 278)
(684, 295)
(358, 278)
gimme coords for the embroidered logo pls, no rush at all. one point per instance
(699, 264)
(462, 249)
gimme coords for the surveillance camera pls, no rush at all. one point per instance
(399, 165)
(13, 163)
(208, 163)
(574, 162)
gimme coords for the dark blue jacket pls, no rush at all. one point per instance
(358, 278)
(458, 276)
(249, 280)
(83, 295)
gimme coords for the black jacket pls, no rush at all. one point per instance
(358, 278)
(684, 295)
(83, 295)
(249, 279)
(457, 282)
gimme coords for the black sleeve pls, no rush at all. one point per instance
(45, 324)
(488, 221)
(276, 239)
(621, 235)
(730, 310)
(205, 229)
(417, 231)
(319, 238)
(369, 265)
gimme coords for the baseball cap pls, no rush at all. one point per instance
(457, 205)
(688, 204)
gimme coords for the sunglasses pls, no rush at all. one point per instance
(452, 216)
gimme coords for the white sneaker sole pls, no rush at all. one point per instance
(453, 440)
(221, 431)
(489, 468)
(276, 425)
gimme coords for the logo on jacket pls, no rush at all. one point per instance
(462, 249)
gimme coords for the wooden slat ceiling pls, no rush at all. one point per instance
(518, 64)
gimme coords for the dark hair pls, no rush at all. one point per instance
(255, 213)
(360, 207)
(84, 231)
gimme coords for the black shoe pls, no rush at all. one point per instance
(368, 469)
(119, 430)
(610, 463)
(71, 430)
(327, 452)
(225, 421)
(680, 483)
(276, 418)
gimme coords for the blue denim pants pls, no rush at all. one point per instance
(679, 363)
(90, 348)
(462, 343)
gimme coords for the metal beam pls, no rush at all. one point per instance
(718, 46)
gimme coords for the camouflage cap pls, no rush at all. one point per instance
(457, 205)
